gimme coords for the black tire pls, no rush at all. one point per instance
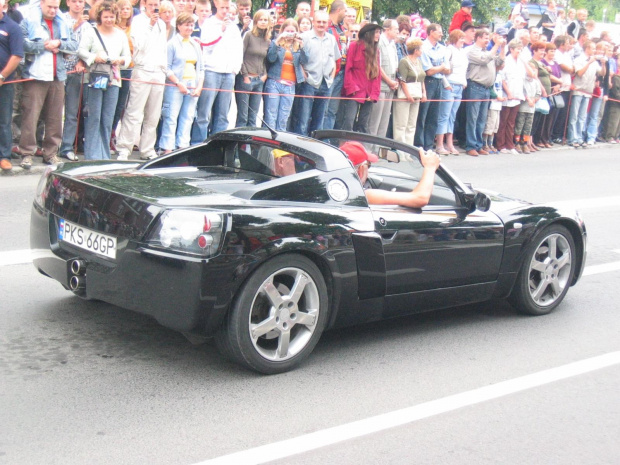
(546, 272)
(270, 328)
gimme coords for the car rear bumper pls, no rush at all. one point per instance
(182, 293)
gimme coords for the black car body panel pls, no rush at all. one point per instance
(377, 262)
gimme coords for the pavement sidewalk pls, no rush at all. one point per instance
(38, 167)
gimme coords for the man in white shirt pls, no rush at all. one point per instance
(146, 91)
(222, 57)
(587, 66)
(381, 111)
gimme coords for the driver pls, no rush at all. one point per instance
(417, 198)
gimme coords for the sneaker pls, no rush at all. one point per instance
(53, 160)
(590, 144)
(505, 151)
(613, 141)
(26, 162)
(148, 156)
(71, 156)
(5, 164)
(514, 152)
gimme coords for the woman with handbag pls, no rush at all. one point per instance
(411, 75)
(105, 49)
(452, 92)
(362, 81)
(185, 75)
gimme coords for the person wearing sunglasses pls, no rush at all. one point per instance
(416, 198)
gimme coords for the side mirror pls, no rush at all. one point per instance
(389, 155)
(482, 202)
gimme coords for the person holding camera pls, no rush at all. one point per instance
(146, 91)
(587, 67)
(284, 57)
(108, 45)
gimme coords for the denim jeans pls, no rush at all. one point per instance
(7, 94)
(213, 106)
(332, 106)
(177, 115)
(101, 107)
(427, 116)
(476, 115)
(592, 120)
(72, 107)
(311, 111)
(247, 104)
(577, 118)
(278, 104)
(448, 109)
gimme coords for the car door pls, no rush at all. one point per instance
(444, 245)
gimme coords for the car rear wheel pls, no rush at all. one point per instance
(547, 272)
(277, 317)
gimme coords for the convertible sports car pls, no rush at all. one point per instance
(264, 240)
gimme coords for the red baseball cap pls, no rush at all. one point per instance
(357, 153)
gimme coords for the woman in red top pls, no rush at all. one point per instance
(362, 80)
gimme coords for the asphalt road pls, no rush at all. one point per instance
(90, 383)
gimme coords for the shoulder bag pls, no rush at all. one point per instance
(414, 88)
(100, 73)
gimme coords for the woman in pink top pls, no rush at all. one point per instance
(362, 80)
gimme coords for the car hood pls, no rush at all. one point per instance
(503, 203)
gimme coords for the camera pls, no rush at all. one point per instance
(108, 62)
(354, 35)
(289, 35)
(156, 10)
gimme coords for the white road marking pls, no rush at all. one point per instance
(15, 257)
(356, 429)
(588, 204)
(604, 268)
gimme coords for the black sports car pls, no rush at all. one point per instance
(265, 240)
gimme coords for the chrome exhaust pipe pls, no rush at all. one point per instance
(78, 267)
(77, 283)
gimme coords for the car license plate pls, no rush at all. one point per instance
(87, 239)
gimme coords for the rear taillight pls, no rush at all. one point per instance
(190, 231)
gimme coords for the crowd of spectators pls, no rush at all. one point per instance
(95, 79)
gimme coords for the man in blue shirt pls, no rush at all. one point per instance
(434, 64)
(11, 53)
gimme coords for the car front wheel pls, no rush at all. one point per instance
(277, 317)
(546, 273)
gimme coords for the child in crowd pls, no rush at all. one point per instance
(525, 118)
(492, 125)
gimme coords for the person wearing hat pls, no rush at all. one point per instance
(416, 198)
(362, 84)
(464, 14)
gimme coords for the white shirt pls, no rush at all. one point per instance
(149, 44)
(564, 58)
(224, 54)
